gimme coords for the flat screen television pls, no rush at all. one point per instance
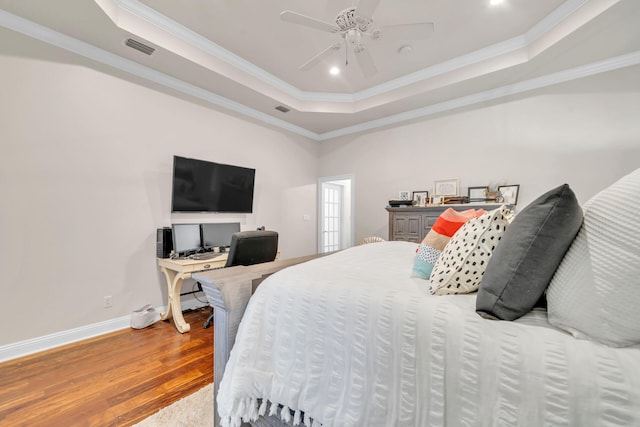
(202, 186)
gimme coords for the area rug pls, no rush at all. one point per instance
(195, 410)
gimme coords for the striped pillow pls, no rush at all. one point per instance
(437, 238)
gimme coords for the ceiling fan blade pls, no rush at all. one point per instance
(365, 61)
(366, 8)
(419, 31)
(313, 61)
(308, 21)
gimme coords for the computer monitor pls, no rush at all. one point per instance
(218, 234)
(186, 238)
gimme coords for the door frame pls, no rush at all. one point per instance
(350, 233)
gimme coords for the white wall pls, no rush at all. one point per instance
(85, 180)
(585, 133)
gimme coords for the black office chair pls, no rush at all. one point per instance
(252, 247)
(248, 248)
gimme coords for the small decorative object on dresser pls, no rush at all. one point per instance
(420, 198)
(478, 194)
(404, 195)
(446, 187)
(455, 200)
(509, 194)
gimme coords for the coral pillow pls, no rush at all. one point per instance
(465, 258)
(437, 238)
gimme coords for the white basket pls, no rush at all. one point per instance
(144, 317)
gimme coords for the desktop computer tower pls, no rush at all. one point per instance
(164, 242)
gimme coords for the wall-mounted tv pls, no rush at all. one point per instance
(202, 186)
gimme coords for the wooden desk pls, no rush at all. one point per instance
(175, 271)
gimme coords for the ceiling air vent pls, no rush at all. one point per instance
(141, 47)
(282, 108)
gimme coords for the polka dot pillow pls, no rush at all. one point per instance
(460, 268)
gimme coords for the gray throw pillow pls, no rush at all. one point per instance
(528, 255)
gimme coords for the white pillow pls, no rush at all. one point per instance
(595, 293)
(460, 268)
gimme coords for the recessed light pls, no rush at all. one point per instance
(495, 2)
(334, 71)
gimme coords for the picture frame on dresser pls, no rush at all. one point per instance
(420, 198)
(446, 187)
(404, 195)
(509, 193)
(478, 194)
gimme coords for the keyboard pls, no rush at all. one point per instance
(205, 256)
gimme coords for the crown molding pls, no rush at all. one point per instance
(292, 96)
(145, 13)
(575, 73)
(47, 35)
(91, 52)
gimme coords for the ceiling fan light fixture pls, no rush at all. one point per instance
(353, 25)
(349, 20)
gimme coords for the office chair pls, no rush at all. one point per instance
(248, 248)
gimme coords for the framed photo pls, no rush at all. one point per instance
(446, 187)
(420, 198)
(405, 195)
(509, 193)
(478, 194)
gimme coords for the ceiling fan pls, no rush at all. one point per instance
(355, 24)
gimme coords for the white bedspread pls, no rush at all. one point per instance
(351, 340)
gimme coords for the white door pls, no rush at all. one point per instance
(332, 218)
(335, 216)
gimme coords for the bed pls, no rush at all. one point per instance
(351, 339)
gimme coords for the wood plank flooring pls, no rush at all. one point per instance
(112, 380)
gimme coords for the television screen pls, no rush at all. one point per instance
(201, 186)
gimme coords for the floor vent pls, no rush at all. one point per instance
(282, 108)
(141, 47)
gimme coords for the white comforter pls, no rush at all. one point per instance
(351, 340)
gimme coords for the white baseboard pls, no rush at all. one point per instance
(47, 342)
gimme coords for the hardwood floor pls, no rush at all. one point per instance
(112, 380)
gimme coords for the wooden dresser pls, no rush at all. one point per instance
(411, 224)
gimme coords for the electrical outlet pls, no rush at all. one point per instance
(108, 302)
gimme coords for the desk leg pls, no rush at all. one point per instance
(174, 283)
